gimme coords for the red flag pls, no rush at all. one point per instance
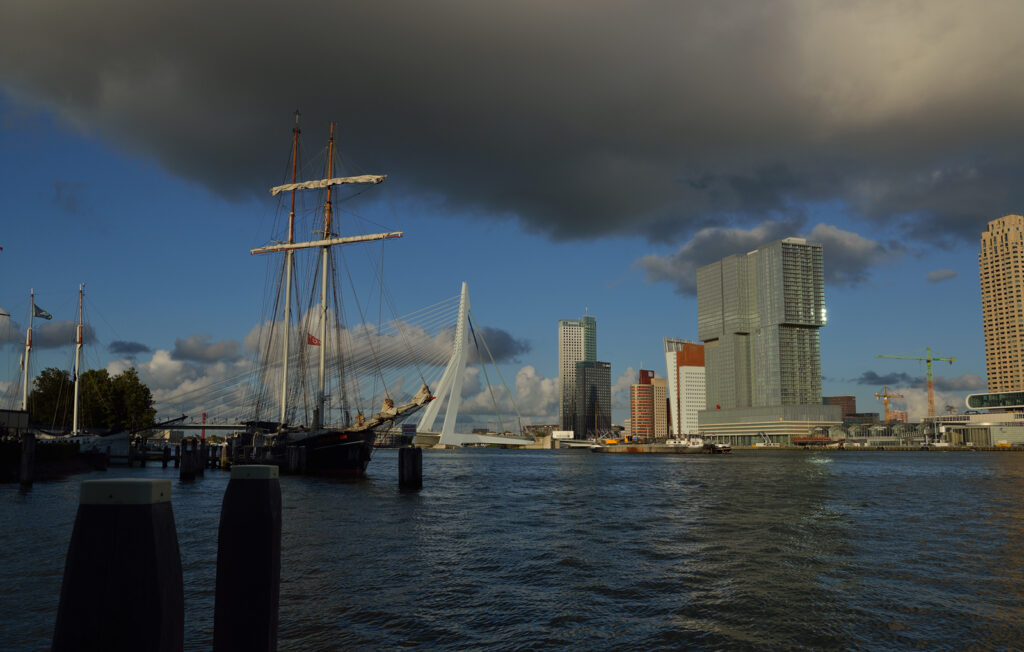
(312, 341)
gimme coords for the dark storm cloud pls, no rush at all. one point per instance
(941, 275)
(891, 379)
(199, 348)
(581, 119)
(121, 347)
(847, 256)
(965, 383)
(500, 345)
(58, 334)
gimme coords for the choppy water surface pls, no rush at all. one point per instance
(572, 550)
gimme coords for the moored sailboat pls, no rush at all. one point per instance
(343, 448)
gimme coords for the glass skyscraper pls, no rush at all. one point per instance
(759, 316)
(577, 342)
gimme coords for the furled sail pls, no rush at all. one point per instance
(324, 183)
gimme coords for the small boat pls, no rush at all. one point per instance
(689, 443)
(717, 448)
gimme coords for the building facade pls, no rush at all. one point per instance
(577, 342)
(684, 371)
(848, 404)
(641, 411)
(660, 407)
(759, 315)
(1002, 281)
(593, 399)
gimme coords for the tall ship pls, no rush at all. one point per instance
(317, 362)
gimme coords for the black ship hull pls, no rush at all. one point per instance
(334, 452)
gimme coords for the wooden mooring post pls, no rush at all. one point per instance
(122, 587)
(410, 467)
(27, 468)
(249, 561)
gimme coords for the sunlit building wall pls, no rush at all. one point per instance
(1001, 272)
(759, 316)
(684, 369)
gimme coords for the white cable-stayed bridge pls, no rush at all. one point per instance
(428, 347)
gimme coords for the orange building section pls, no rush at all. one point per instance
(692, 355)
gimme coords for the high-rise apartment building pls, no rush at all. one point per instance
(684, 369)
(577, 342)
(660, 408)
(641, 410)
(593, 399)
(758, 315)
(648, 406)
(1001, 271)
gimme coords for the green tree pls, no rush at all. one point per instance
(132, 402)
(121, 402)
(49, 403)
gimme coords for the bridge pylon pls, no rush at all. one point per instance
(450, 386)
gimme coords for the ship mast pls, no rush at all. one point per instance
(325, 243)
(322, 376)
(288, 277)
(28, 349)
(78, 352)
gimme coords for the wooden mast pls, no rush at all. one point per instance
(78, 355)
(28, 349)
(289, 253)
(320, 397)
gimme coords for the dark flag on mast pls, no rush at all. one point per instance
(39, 312)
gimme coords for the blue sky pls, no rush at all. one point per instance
(140, 166)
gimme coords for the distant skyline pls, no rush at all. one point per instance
(558, 158)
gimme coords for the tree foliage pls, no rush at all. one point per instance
(121, 402)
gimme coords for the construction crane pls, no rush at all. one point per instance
(885, 396)
(928, 360)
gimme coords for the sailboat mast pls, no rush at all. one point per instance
(323, 283)
(78, 354)
(288, 277)
(28, 349)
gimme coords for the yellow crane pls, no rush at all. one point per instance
(885, 396)
(928, 360)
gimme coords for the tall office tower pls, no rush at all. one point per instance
(577, 342)
(641, 405)
(593, 399)
(684, 370)
(641, 410)
(759, 315)
(660, 408)
(1000, 269)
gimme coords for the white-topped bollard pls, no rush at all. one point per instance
(249, 561)
(122, 586)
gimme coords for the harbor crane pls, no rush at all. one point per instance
(885, 396)
(928, 360)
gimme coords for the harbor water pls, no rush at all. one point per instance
(510, 550)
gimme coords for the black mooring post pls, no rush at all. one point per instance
(26, 472)
(410, 467)
(122, 586)
(249, 561)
